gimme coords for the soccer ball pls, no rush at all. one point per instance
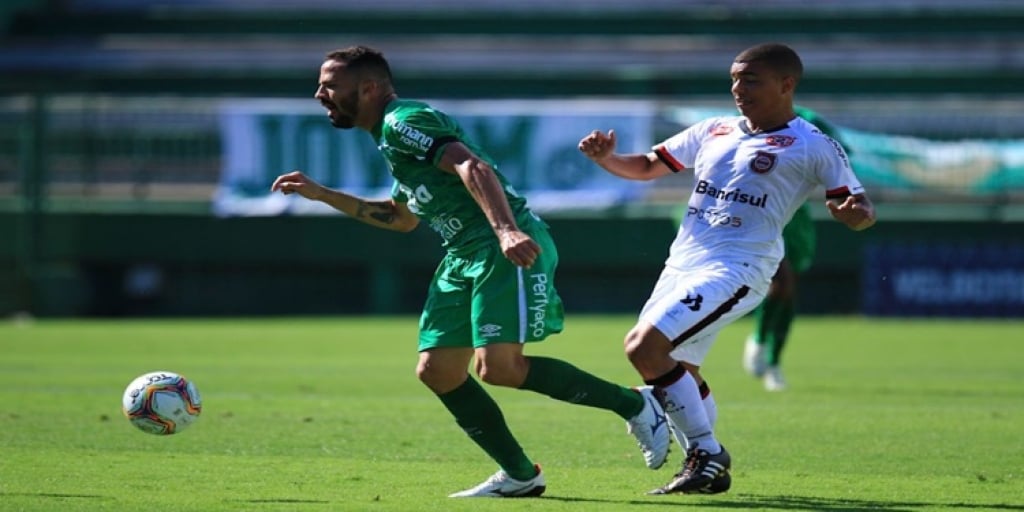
(161, 403)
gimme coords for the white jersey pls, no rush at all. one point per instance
(746, 188)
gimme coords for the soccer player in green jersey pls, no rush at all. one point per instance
(762, 354)
(493, 292)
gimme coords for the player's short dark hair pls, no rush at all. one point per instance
(363, 61)
(779, 57)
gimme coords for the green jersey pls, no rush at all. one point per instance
(411, 137)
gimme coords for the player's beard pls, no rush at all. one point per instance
(345, 111)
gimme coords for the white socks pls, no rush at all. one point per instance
(691, 418)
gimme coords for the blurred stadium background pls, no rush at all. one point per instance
(138, 138)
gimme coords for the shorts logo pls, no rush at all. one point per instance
(763, 162)
(693, 302)
(490, 331)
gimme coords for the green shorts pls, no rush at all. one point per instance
(483, 298)
(800, 239)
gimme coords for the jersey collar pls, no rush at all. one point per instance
(745, 128)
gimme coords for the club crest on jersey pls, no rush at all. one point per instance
(763, 162)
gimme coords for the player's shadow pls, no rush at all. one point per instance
(810, 503)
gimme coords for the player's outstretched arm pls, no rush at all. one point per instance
(600, 147)
(856, 211)
(384, 213)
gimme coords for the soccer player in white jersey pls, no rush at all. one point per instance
(751, 172)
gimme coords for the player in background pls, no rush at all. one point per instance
(773, 318)
(751, 173)
(494, 290)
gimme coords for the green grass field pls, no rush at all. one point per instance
(326, 415)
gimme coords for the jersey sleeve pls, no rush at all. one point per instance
(832, 168)
(420, 134)
(679, 152)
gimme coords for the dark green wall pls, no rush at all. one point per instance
(334, 265)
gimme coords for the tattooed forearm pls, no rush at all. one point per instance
(380, 211)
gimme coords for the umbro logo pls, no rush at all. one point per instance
(490, 330)
(693, 302)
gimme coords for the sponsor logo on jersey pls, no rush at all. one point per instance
(490, 330)
(839, 150)
(782, 141)
(445, 225)
(721, 129)
(719, 216)
(410, 136)
(736, 195)
(763, 162)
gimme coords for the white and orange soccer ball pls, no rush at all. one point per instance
(161, 403)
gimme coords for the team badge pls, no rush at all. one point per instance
(763, 162)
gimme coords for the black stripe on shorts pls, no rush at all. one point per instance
(715, 315)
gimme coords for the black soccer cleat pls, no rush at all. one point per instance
(702, 473)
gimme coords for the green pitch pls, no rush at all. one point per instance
(326, 415)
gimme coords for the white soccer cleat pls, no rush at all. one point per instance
(650, 428)
(500, 485)
(753, 358)
(773, 380)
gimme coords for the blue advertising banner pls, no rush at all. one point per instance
(941, 279)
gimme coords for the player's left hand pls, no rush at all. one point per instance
(853, 212)
(519, 248)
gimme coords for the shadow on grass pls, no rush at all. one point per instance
(54, 495)
(748, 501)
(280, 500)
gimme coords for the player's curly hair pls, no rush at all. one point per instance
(363, 61)
(779, 57)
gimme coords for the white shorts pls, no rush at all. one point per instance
(690, 308)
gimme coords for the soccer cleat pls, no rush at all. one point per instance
(700, 471)
(500, 485)
(753, 357)
(720, 484)
(773, 380)
(650, 428)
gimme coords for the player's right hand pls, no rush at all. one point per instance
(298, 183)
(598, 145)
(519, 248)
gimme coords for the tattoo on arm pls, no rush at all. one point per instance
(380, 211)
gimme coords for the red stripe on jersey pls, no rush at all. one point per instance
(663, 155)
(837, 193)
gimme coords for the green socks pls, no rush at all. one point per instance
(563, 381)
(773, 320)
(479, 416)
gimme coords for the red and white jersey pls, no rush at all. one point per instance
(746, 188)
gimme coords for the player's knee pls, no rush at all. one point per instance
(636, 350)
(508, 373)
(425, 372)
(498, 376)
(437, 378)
